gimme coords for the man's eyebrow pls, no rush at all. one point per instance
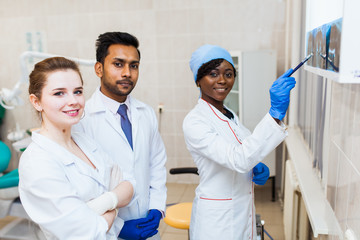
(122, 60)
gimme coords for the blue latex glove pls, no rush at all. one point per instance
(152, 221)
(261, 174)
(280, 95)
(133, 231)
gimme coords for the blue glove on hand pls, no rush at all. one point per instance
(152, 222)
(280, 95)
(133, 231)
(261, 174)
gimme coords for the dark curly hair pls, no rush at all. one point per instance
(206, 68)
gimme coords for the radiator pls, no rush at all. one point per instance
(291, 202)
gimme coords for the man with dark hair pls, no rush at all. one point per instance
(128, 130)
(105, 40)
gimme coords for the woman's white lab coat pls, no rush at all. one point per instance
(55, 186)
(146, 163)
(225, 153)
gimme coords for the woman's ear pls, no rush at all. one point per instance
(35, 102)
(99, 69)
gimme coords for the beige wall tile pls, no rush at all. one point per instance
(167, 122)
(354, 157)
(9, 8)
(169, 141)
(353, 220)
(164, 49)
(182, 152)
(342, 189)
(344, 130)
(333, 172)
(195, 20)
(179, 118)
(167, 97)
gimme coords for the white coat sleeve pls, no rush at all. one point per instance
(117, 175)
(157, 168)
(204, 141)
(54, 204)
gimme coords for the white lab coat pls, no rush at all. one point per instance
(146, 162)
(55, 186)
(225, 153)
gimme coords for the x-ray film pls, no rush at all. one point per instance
(324, 43)
(333, 59)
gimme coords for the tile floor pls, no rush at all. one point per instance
(270, 212)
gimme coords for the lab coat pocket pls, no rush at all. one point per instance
(214, 218)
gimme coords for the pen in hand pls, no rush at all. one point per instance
(302, 62)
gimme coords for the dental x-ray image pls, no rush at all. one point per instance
(333, 59)
(324, 42)
(309, 47)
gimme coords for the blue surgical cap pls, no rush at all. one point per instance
(205, 54)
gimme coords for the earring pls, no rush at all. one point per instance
(40, 116)
(83, 115)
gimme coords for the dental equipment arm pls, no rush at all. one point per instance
(9, 99)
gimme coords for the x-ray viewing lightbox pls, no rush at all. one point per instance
(332, 36)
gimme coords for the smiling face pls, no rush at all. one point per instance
(120, 71)
(62, 101)
(216, 85)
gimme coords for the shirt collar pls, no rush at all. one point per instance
(113, 105)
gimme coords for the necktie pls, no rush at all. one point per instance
(125, 123)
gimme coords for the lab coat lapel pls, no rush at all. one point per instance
(135, 119)
(90, 151)
(225, 126)
(116, 125)
(96, 106)
(67, 158)
(51, 146)
(86, 170)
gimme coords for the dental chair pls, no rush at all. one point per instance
(19, 226)
(8, 181)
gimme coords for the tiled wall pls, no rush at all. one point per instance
(341, 173)
(343, 190)
(169, 31)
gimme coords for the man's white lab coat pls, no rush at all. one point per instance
(146, 163)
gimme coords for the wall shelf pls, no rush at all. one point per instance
(323, 73)
(337, 77)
